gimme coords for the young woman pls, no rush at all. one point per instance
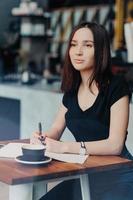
(95, 108)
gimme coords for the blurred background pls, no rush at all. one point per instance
(34, 34)
(33, 39)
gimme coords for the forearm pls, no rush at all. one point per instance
(101, 147)
(58, 125)
(53, 133)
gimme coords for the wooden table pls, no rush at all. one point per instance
(23, 178)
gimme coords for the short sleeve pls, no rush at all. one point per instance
(65, 100)
(119, 89)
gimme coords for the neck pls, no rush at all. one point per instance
(85, 77)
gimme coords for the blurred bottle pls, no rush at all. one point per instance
(25, 77)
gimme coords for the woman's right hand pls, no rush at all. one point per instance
(36, 138)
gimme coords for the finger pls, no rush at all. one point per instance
(42, 137)
(36, 134)
(35, 138)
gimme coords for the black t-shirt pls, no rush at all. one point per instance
(93, 123)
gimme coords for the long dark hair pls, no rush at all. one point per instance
(102, 71)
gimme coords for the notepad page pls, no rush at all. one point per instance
(67, 157)
(11, 150)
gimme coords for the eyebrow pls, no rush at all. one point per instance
(85, 41)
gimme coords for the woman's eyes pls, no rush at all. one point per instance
(84, 45)
(72, 45)
(89, 45)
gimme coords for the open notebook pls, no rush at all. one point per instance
(13, 150)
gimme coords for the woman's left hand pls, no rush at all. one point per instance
(54, 145)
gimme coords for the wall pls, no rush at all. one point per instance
(9, 118)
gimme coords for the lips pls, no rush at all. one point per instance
(78, 61)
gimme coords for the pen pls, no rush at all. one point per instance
(40, 128)
(41, 138)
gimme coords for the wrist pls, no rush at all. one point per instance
(83, 150)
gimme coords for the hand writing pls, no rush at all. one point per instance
(54, 145)
(36, 138)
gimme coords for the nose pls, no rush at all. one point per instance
(79, 50)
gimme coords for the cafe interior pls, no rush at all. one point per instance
(33, 40)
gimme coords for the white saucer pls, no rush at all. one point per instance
(20, 159)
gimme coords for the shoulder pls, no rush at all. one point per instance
(67, 97)
(118, 88)
(119, 84)
(115, 80)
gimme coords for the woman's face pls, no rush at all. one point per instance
(81, 50)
